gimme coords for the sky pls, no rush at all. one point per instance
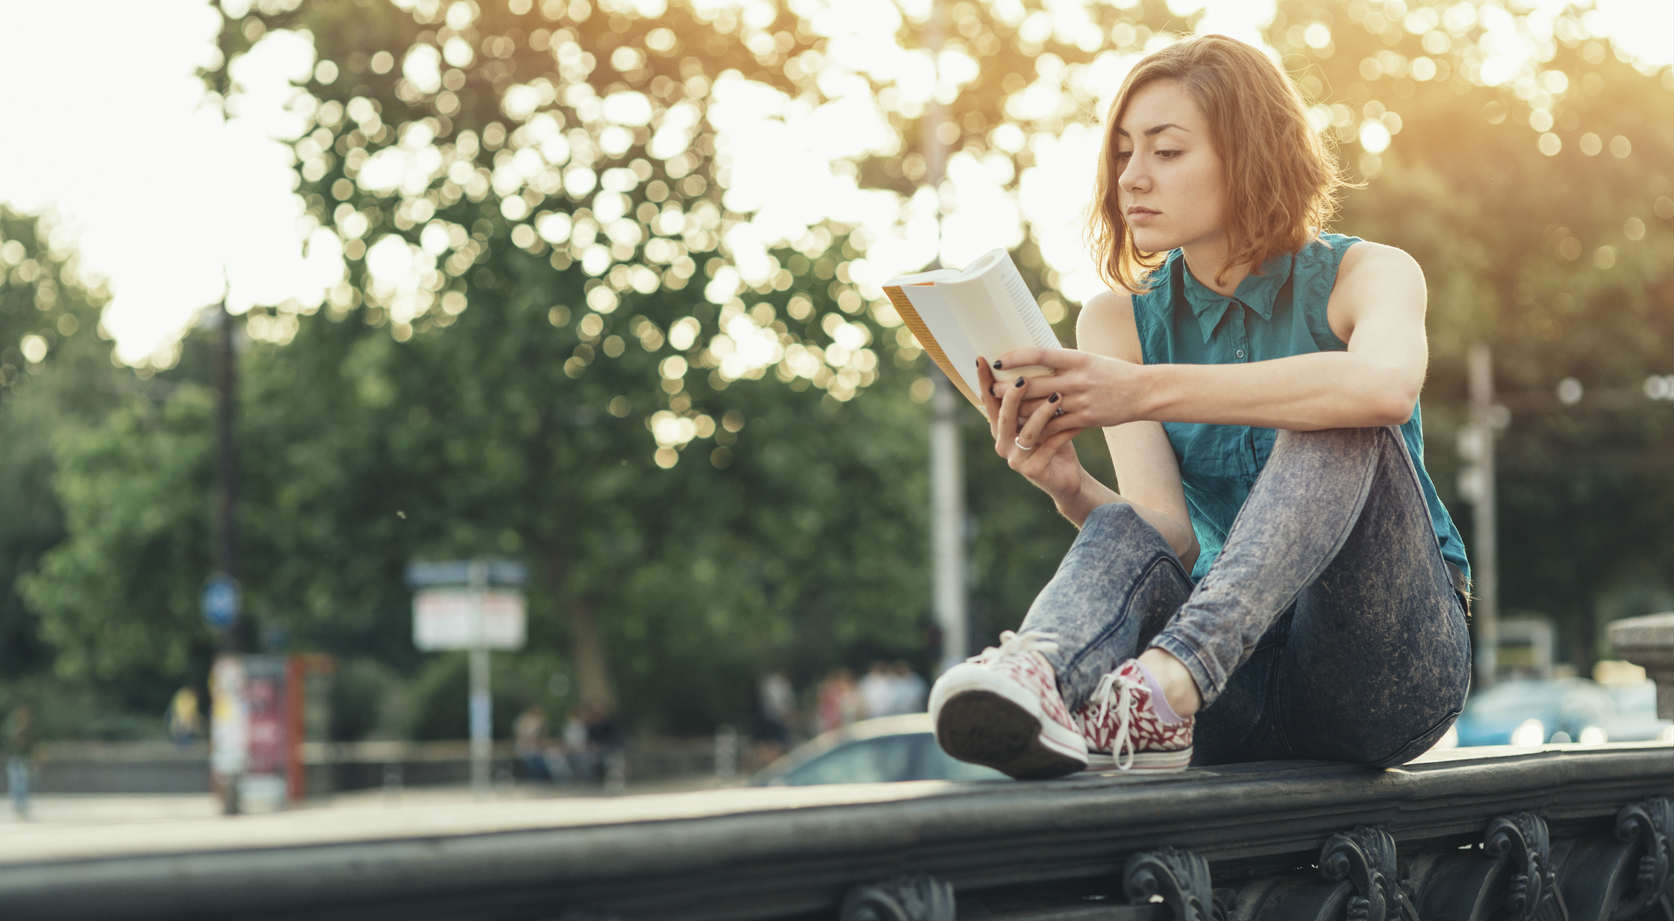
(171, 205)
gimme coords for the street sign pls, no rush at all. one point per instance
(446, 618)
(459, 604)
(508, 573)
(220, 601)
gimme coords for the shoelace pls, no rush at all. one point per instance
(1116, 689)
(1012, 642)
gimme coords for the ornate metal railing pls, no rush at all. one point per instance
(1568, 832)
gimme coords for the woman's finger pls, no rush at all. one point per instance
(990, 403)
(1029, 435)
(1062, 421)
(1056, 359)
(1050, 443)
(1006, 434)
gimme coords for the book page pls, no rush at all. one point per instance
(948, 326)
(996, 310)
(1011, 293)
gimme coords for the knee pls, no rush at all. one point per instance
(1338, 442)
(1115, 515)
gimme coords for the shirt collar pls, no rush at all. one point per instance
(1258, 291)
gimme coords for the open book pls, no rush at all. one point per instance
(985, 310)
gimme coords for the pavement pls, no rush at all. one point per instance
(68, 826)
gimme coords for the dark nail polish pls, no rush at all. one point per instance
(996, 364)
(1053, 398)
(1021, 381)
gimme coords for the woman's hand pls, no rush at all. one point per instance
(1048, 461)
(1090, 390)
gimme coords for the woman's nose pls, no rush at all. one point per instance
(1132, 176)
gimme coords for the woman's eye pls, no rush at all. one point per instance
(1168, 154)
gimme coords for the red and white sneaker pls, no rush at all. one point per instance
(1002, 708)
(1119, 719)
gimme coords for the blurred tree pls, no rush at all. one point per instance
(551, 326)
(56, 377)
(559, 338)
(1537, 195)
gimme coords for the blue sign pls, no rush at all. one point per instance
(220, 601)
(507, 573)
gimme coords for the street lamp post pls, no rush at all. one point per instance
(947, 480)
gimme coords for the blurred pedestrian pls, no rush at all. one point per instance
(20, 757)
(836, 703)
(908, 690)
(770, 723)
(875, 690)
(529, 742)
(184, 720)
(575, 744)
(606, 743)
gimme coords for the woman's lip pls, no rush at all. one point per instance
(1139, 211)
(1140, 215)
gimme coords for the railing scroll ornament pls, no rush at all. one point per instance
(1650, 822)
(1365, 858)
(1180, 877)
(1523, 841)
(904, 898)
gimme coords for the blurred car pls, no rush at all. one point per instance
(880, 750)
(1526, 711)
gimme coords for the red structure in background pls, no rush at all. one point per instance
(306, 714)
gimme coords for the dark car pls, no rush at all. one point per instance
(1531, 712)
(880, 750)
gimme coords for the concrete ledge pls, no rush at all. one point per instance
(1649, 643)
(1008, 849)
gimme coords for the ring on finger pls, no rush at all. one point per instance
(1021, 446)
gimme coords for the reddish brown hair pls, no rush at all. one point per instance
(1281, 179)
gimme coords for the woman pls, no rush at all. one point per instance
(1273, 575)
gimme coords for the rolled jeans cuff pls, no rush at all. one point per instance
(1209, 678)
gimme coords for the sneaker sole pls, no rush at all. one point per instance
(983, 724)
(1151, 762)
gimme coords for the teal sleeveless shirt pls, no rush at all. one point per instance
(1277, 312)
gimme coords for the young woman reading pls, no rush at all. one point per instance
(1272, 575)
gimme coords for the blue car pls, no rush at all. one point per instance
(1529, 712)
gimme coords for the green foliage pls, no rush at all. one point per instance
(56, 379)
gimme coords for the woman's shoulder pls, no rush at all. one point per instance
(1110, 309)
(1108, 302)
(1359, 258)
(1107, 323)
(1331, 258)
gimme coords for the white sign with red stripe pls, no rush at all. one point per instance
(447, 618)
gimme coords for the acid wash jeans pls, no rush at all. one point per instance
(1328, 628)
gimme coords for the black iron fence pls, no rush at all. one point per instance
(1570, 832)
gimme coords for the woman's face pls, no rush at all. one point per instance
(1169, 182)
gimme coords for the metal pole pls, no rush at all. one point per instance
(947, 520)
(226, 456)
(1485, 571)
(947, 538)
(482, 701)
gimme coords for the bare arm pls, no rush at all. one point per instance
(1146, 473)
(1377, 307)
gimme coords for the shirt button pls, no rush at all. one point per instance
(1240, 353)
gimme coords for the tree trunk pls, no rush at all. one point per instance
(592, 673)
(587, 656)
